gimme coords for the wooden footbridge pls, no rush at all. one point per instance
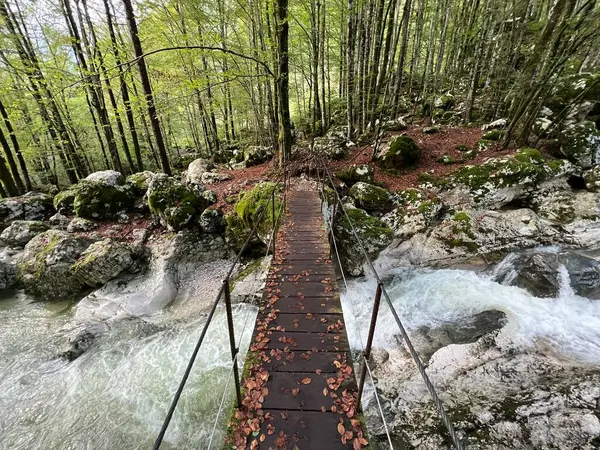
(300, 391)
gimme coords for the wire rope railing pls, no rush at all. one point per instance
(382, 292)
(225, 293)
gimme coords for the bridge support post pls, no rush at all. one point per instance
(273, 221)
(234, 349)
(367, 354)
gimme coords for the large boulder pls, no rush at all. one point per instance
(212, 221)
(45, 268)
(372, 199)
(102, 261)
(140, 181)
(544, 273)
(175, 204)
(258, 154)
(565, 206)
(20, 232)
(81, 225)
(395, 125)
(103, 195)
(215, 177)
(356, 173)
(580, 143)
(31, 206)
(499, 181)
(445, 102)
(196, 169)
(372, 232)
(63, 201)
(401, 153)
(414, 212)
(330, 147)
(262, 198)
(8, 272)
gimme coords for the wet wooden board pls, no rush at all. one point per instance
(303, 376)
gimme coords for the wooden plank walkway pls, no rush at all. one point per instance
(299, 386)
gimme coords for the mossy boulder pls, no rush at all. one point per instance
(103, 196)
(20, 232)
(530, 155)
(236, 234)
(63, 201)
(81, 225)
(212, 221)
(31, 206)
(373, 233)
(444, 102)
(260, 199)
(139, 182)
(403, 152)
(45, 268)
(492, 135)
(499, 181)
(258, 154)
(174, 203)
(369, 197)
(580, 144)
(431, 130)
(395, 125)
(582, 86)
(197, 169)
(414, 212)
(484, 144)
(331, 147)
(356, 173)
(102, 261)
(459, 228)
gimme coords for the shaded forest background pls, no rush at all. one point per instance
(76, 95)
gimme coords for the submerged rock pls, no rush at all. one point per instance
(31, 206)
(20, 232)
(544, 273)
(45, 268)
(175, 204)
(372, 232)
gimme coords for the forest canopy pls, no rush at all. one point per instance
(151, 85)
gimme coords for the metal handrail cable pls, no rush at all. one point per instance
(421, 368)
(209, 318)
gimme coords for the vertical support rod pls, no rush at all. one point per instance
(273, 221)
(331, 235)
(234, 349)
(367, 354)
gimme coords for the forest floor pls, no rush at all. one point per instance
(433, 146)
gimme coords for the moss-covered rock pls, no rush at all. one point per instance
(81, 225)
(331, 147)
(139, 182)
(483, 144)
(395, 125)
(356, 173)
(20, 232)
(236, 234)
(469, 154)
(31, 206)
(493, 135)
(369, 197)
(45, 267)
(257, 154)
(445, 102)
(582, 86)
(461, 226)
(403, 152)
(96, 200)
(102, 261)
(373, 233)
(529, 155)
(262, 197)
(175, 204)
(580, 144)
(212, 221)
(431, 130)
(196, 169)
(63, 201)
(414, 212)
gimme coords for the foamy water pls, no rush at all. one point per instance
(569, 325)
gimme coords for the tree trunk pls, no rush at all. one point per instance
(285, 132)
(147, 87)
(16, 146)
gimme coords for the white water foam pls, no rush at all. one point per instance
(568, 325)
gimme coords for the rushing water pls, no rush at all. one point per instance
(568, 325)
(115, 396)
